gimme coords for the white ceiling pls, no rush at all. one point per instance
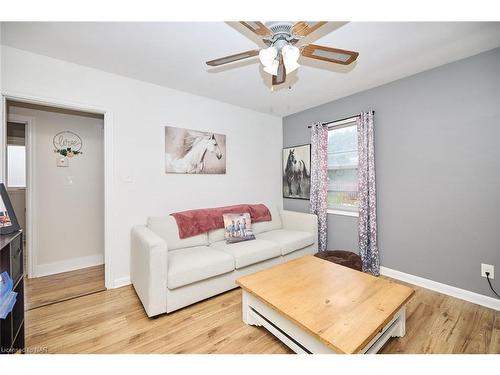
(172, 54)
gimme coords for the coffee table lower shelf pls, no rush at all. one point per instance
(257, 313)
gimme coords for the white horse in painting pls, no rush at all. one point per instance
(195, 148)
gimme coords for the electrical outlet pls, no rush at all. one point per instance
(488, 268)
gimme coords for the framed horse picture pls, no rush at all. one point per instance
(194, 152)
(297, 172)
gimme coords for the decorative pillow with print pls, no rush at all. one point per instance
(237, 227)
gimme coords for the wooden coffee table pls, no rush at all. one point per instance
(315, 306)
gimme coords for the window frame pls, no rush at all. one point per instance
(351, 121)
(7, 179)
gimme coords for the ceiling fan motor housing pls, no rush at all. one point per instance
(282, 34)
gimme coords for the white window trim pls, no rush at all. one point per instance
(331, 211)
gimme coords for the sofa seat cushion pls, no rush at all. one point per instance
(187, 266)
(288, 240)
(249, 252)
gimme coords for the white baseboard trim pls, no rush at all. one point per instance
(121, 281)
(466, 295)
(67, 265)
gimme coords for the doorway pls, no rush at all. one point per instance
(62, 201)
(16, 184)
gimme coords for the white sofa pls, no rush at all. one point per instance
(169, 273)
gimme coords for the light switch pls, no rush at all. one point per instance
(62, 161)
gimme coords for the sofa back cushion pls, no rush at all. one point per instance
(215, 235)
(166, 228)
(266, 226)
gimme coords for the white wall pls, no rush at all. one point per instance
(140, 111)
(68, 202)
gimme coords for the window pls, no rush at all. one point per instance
(343, 168)
(16, 166)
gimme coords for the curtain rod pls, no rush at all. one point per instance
(342, 119)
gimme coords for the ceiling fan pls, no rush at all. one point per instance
(284, 49)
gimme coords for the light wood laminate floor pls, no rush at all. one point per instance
(46, 290)
(114, 321)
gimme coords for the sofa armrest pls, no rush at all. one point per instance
(148, 269)
(301, 221)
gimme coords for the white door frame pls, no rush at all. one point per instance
(108, 162)
(29, 123)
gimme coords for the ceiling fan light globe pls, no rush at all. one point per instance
(290, 54)
(267, 55)
(272, 68)
(291, 66)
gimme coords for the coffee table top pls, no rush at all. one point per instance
(341, 307)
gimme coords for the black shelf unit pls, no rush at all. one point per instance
(11, 260)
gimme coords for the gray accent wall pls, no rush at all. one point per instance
(437, 152)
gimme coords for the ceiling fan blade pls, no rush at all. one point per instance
(257, 27)
(280, 77)
(304, 28)
(232, 58)
(334, 55)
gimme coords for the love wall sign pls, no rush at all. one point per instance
(67, 143)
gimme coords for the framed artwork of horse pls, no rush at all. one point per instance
(297, 172)
(194, 151)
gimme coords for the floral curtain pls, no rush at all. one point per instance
(367, 222)
(319, 179)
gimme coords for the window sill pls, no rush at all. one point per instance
(343, 213)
